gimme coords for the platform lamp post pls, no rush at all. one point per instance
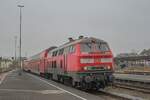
(20, 58)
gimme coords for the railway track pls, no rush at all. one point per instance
(128, 85)
(106, 95)
(136, 87)
(133, 85)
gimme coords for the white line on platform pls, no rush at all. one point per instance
(35, 91)
(1, 80)
(4, 76)
(58, 87)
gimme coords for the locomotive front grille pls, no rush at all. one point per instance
(98, 68)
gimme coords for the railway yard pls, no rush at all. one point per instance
(32, 87)
(50, 75)
(74, 50)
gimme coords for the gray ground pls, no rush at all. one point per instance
(30, 87)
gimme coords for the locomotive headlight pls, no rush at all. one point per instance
(106, 60)
(85, 68)
(109, 67)
(86, 60)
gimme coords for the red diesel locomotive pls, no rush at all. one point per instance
(86, 62)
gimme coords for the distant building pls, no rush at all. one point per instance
(133, 59)
(145, 52)
(127, 55)
(5, 64)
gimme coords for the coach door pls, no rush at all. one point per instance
(42, 66)
(65, 63)
(54, 69)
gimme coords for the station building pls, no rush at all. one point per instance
(133, 59)
(5, 64)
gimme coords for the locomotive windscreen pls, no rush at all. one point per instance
(94, 47)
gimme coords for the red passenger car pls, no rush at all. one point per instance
(86, 62)
(37, 63)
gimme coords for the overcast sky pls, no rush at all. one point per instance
(124, 24)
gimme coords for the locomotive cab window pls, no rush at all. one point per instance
(86, 47)
(93, 47)
(102, 47)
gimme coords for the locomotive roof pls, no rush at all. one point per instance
(54, 48)
(85, 39)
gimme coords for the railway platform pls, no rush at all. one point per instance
(133, 77)
(31, 87)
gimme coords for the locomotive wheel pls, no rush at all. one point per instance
(62, 80)
(47, 76)
(74, 84)
(83, 86)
